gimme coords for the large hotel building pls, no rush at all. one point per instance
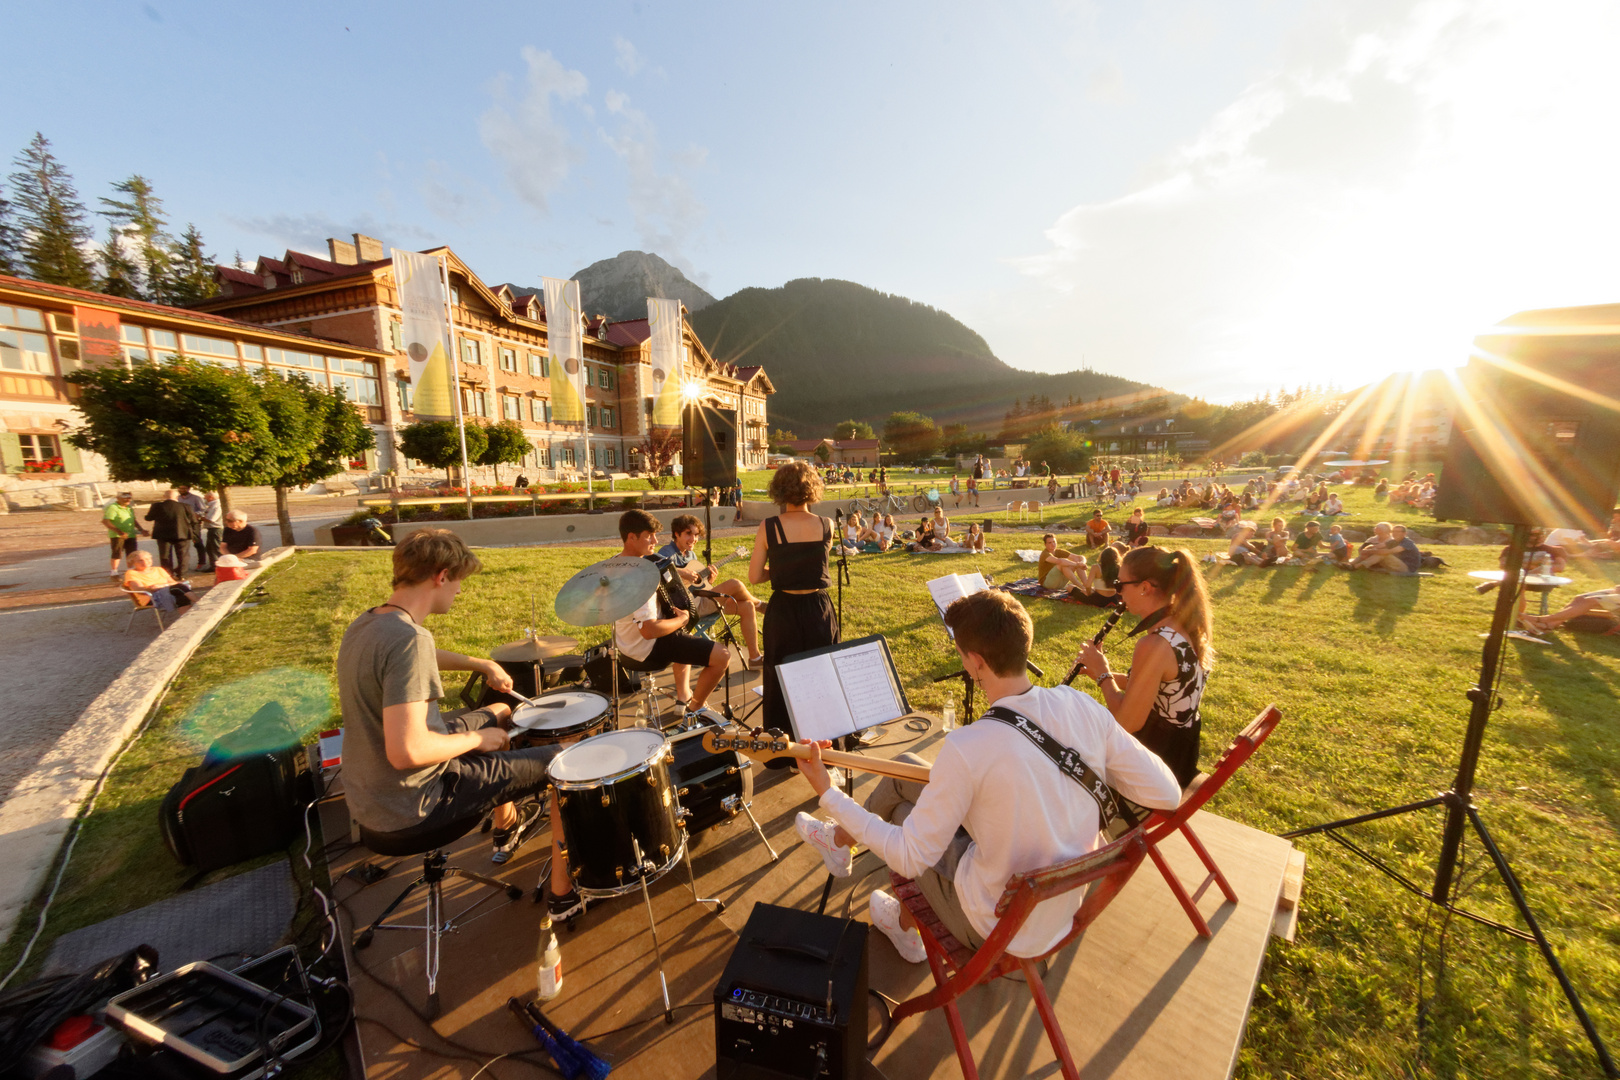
(337, 320)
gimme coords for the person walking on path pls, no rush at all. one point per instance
(122, 529)
(174, 526)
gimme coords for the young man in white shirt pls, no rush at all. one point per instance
(995, 804)
(656, 643)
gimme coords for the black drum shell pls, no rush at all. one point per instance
(640, 804)
(703, 780)
(526, 737)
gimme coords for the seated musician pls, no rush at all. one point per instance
(654, 637)
(407, 769)
(995, 804)
(681, 552)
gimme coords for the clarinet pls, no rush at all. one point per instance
(1102, 632)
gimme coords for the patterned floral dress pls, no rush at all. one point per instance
(1172, 726)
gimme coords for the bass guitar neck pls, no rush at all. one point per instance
(772, 745)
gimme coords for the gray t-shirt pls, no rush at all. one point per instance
(386, 659)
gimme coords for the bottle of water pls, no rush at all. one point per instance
(549, 976)
(947, 715)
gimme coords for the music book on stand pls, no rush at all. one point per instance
(841, 689)
(951, 588)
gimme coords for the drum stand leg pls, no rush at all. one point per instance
(759, 832)
(691, 877)
(652, 923)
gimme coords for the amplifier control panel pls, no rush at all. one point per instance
(755, 1007)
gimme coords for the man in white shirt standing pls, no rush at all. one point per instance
(995, 804)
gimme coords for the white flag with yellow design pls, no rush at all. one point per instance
(665, 352)
(419, 281)
(565, 342)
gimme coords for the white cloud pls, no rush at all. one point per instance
(1401, 180)
(534, 146)
(666, 210)
(449, 195)
(308, 232)
(626, 56)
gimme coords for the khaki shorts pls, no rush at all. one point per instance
(893, 800)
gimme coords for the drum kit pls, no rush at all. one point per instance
(630, 799)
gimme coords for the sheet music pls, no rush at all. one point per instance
(864, 675)
(952, 587)
(815, 701)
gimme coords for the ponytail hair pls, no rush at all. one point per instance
(1176, 574)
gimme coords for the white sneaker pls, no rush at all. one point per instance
(819, 835)
(886, 917)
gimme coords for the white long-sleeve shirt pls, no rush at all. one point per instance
(1021, 810)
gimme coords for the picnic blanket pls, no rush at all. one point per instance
(1032, 587)
(955, 550)
(1028, 556)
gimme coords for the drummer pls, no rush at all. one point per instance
(681, 553)
(407, 770)
(655, 643)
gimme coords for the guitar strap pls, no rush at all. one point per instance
(1070, 764)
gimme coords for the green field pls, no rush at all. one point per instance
(1369, 671)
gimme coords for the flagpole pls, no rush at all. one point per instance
(585, 414)
(455, 379)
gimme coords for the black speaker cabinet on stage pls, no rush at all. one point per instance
(791, 1004)
(709, 446)
(1535, 434)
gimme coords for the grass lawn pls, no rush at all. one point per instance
(1369, 671)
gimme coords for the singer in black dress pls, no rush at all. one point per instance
(790, 550)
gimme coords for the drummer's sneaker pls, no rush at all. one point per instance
(819, 835)
(563, 907)
(886, 917)
(507, 841)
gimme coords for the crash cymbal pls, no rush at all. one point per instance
(606, 591)
(539, 647)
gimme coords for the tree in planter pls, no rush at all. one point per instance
(177, 422)
(506, 445)
(316, 434)
(437, 443)
(658, 449)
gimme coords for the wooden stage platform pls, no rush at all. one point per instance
(1140, 995)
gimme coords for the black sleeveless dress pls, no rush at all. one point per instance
(794, 622)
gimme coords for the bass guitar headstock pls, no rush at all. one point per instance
(761, 744)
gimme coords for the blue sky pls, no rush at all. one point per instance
(1217, 197)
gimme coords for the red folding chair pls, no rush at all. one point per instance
(1160, 824)
(957, 969)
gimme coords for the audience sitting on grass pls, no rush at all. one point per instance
(1309, 544)
(1390, 550)
(1338, 547)
(1229, 515)
(974, 540)
(852, 532)
(1059, 567)
(886, 533)
(1315, 498)
(1101, 579)
(1603, 601)
(1276, 543)
(1096, 530)
(1334, 506)
(1136, 528)
(1164, 498)
(942, 525)
(1382, 490)
(1244, 551)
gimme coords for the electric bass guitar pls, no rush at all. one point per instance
(771, 745)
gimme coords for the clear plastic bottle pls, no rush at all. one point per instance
(549, 977)
(947, 714)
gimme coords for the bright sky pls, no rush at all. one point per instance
(1218, 196)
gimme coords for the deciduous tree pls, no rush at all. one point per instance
(437, 443)
(853, 429)
(506, 444)
(316, 432)
(911, 436)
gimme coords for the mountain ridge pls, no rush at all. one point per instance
(619, 287)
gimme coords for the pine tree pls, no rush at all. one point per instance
(51, 219)
(8, 238)
(140, 218)
(119, 274)
(192, 276)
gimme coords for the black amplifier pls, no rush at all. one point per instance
(791, 1004)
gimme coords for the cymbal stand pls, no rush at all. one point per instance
(648, 872)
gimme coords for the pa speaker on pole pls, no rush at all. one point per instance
(709, 446)
(1535, 429)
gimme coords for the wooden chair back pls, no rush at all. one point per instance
(1162, 823)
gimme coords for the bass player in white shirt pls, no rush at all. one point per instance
(996, 804)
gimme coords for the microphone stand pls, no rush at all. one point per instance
(842, 572)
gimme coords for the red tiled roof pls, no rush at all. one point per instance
(802, 446)
(85, 296)
(747, 371)
(628, 332)
(241, 281)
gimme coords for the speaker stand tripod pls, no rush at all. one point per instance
(1461, 811)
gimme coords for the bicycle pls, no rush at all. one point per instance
(927, 502)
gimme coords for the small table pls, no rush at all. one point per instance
(1541, 583)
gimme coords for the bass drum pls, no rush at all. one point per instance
(711, 788)
(614, 792)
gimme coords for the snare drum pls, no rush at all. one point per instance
(560, 716)
(611, 789)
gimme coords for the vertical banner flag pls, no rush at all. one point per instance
(564, 341)
(421, 298)
(664, 323)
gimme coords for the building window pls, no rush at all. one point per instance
(537, 410)
(471, 351)
(40, 448)
(509, 360)
(544, 453)
(590, 416)
(22, 351)
(359, 380)
(605, 378)
(607, 416)
(610, 456)
(568, 455)
(593, 456)
(474, 402)
(22, 318)
(539, 366)
(209, 349)
(405, 397)
(164, 341)
(510, 406)
(455, 294)
(253, 352)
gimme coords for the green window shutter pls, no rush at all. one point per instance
(70, 456)
(11, 458)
